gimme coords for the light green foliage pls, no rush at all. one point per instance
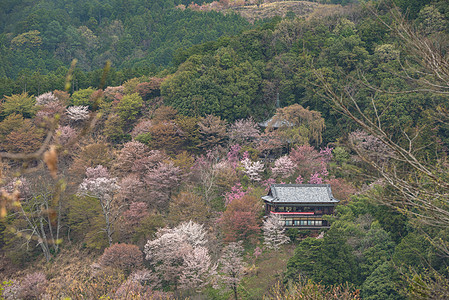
(386, 53)
(340, 155)
(130, 85)
(2, 288)
(30, 39)
(144, 138)
(129, 107)
(82, 97)
(431, 20)
(21, 104)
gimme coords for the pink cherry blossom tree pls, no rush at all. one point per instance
(65, 134)
(315, 178)
(130, 153)
(308, 160)
(370, 146)
(132, 189)
(237, 192)
(161, 181)
(283, 167)
(197, 268)
(233, 155)
(244, 131)
(267, 183)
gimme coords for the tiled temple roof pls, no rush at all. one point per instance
(300, 193)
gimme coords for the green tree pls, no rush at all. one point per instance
(53, 35)
(336, 262)
(376, 247)
(30, 39)
(21, 104)
(114, 128)
(383, 283)
(298, 125)
(130, 107)
(82, 97)
(227, 87)
(329, 261)
(86, 221)
(413, 250)
(303, 261)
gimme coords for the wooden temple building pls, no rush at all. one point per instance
(301, 205)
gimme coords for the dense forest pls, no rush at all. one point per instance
(133, 159)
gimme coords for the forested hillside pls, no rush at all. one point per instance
(143, 179)
(44, 35)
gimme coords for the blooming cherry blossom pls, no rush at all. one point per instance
(283, 167)
(274, 232)
(252, 169)
(78, 113)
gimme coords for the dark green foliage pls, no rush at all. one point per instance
(86, 222)
(413, 250)
(383, 283)
(391, 221)
(376, 248)
(228, 88)
(329, 261)
(337, 264)
(48, 34)
(411, 7)
(114, 129)
(304, 259)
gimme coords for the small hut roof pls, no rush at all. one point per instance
(275, 124)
